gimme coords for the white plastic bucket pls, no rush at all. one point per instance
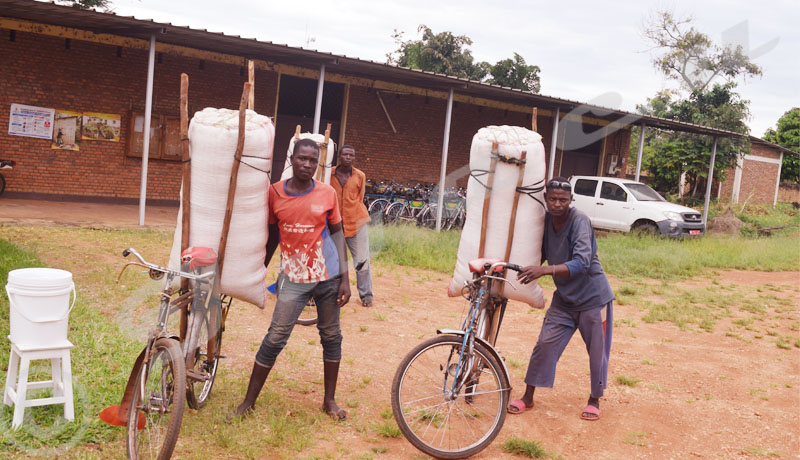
(39, 300)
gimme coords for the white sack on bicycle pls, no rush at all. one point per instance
(319, 139)
(212, 142)
(526, 249)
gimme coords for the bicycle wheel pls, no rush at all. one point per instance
(376, 209)
(201, 369)
(158, 397)
(437, 421)
(308, 316)
(427, 218)
(394, 212)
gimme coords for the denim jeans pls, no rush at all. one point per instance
(359, 249)
(292, 298)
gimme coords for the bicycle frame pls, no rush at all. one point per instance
(475, 328)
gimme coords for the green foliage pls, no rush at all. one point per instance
(788, 135)
(627, 381)
(672, 153)
(441, 53)
(449, 54)
(87, 4)
(414, 247)
(532, 449)
(515, 73)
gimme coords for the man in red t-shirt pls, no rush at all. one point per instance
(304, 217)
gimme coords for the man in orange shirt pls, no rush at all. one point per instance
(350, 183)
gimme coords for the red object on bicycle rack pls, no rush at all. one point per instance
(112, 416)
(198, 256)
(477, 265)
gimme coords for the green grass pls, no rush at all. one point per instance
(532, 449)
(98, 372)
(627, 381)
(624, 256)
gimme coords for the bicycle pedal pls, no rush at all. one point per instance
(194, 375)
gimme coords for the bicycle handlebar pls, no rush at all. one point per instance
(146, 264)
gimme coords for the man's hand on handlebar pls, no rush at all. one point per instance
(532, 272)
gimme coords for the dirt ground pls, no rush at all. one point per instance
(701, 394)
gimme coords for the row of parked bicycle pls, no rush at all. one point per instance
(391, 203)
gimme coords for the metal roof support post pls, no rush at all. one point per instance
(639, 157)
(709, 181)
(318, 107)
(445, 146)
(148, 113)
(553, 146)
(778, 182)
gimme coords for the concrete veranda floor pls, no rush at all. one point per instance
(99, 215)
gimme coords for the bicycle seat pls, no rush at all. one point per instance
(198, 257)
(476, 265)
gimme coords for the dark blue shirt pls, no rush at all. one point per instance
(575, 246)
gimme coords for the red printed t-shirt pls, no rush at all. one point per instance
(308, 254)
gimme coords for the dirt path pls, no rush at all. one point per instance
(703, 395)
(96, 215)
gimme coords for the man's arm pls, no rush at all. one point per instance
(272, 242)
(337, 235)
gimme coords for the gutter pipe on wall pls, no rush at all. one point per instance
(318, 107)
(553, 146)
(445, 146)
(709, 181)
(148, 112)
(639, 157)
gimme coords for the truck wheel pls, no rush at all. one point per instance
(646, 228)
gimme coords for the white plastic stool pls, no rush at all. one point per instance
(16, 389)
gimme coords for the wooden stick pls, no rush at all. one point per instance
(534, 122)
(251, 78)
(514, 206)
(323, 154)
(297, 133)
(346, 106)
(486, 197)
(237, 157)
(187, 187)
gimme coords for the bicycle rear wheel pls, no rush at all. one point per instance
(308, 316)
(376, 209)
(437, 421)
(201, 369)
(158, 398)
(394, 212)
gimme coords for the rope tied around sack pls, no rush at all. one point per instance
(251, 166)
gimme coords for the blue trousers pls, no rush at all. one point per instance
(292, 298)
(557, 329)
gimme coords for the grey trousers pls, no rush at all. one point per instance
(557, 330)
(359, 249)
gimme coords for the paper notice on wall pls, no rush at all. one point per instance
(100, 127)
(30, 121)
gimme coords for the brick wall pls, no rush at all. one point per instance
(759, 178)
(90, 77)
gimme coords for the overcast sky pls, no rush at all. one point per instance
(586, 51)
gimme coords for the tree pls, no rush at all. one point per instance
(788, 135)
(87, 4)
(441, 53)
(449, 54)
(690, 57)
(515, 73)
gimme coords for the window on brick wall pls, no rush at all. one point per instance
(165, 139)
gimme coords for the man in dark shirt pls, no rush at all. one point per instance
(582, 293)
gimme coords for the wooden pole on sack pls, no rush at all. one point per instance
(522, 158)
(237, 157)
(187, 187)
(486, 197)
(251, 78)
(323, 154)
(534, 123)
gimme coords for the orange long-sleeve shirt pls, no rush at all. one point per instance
(351, 201)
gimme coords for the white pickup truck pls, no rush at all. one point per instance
(625, 205)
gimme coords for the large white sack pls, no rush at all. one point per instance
(319, 139)
(212, 143)
(526, 248)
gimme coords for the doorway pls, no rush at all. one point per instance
(296, 102)
(581, 150)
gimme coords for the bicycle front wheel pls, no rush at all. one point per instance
(441, 422)
(201, 366)
(158, 398)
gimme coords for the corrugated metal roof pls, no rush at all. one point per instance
(109, 22)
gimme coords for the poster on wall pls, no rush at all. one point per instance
(31, 121)
(100, 127)
(66, 130)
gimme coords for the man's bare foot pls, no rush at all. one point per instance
(334, 411)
